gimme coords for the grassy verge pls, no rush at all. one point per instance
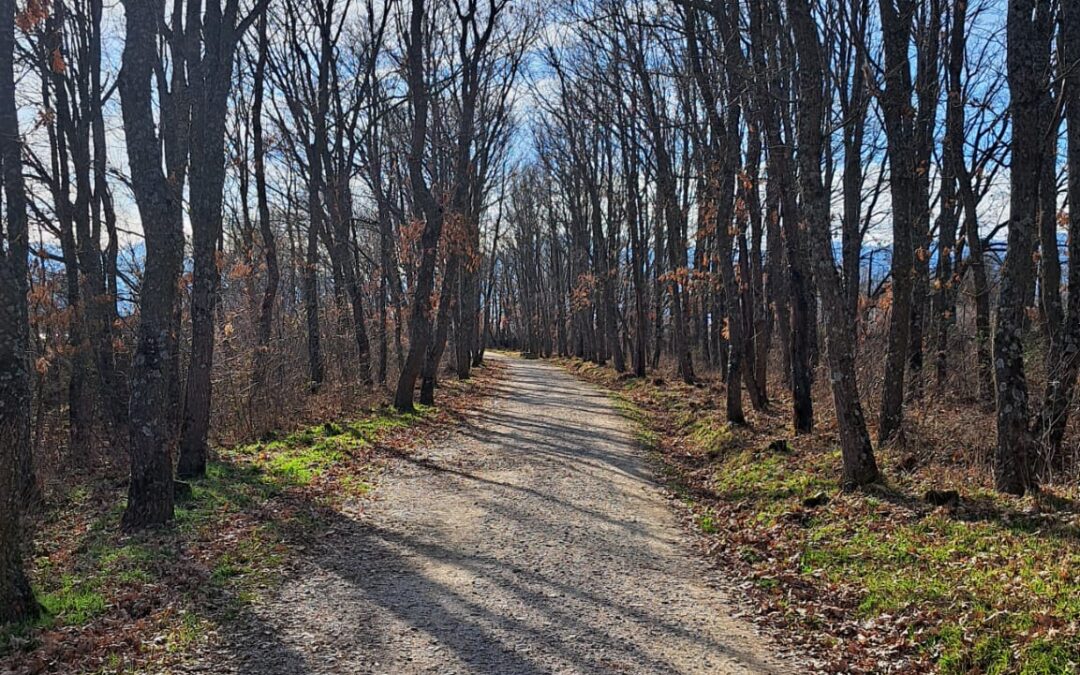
(134, 603)
(900, 578)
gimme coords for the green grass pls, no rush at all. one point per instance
(75, 602)
(186, 632)
(709, 435)
(301, 467)
(104, 563)
(306, 456)
(993, 591)
(645, 437)
(355, 485)
(250, 562)
(998, 589)
(707, 524)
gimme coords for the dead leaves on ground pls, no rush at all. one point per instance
(142, 602)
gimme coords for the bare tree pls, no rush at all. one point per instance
(273, 274)
(158, 162)
(1063, 358)
(216, 35)
(425, 205)
(857, 451)
(17, 601)
(897, 17)
(1030, 28)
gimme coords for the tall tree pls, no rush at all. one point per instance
(1029, 30)
(157, 182)
(860, 467)
(475, 30)
(949, 214)
(273, 274)
(424, 206)
(1063, 359)
(897, 17)
(16, 599)
(768, 91)
(216, 33)
(722, 158)
(927, 93)
(668, 203)
(854, 100)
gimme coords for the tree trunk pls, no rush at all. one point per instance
(430, 372)
(264, 326)
(1028, 31)
(17, 601)
(948, 220)
(803, 330)
(210, 80)
(896, 19)
(858, 103)
(424, 204)
(856, 449)
(1064, 359)
(150, 492)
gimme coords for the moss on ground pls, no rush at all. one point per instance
(229, 538)
(989, 586)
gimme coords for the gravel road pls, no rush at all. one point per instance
(534, 540)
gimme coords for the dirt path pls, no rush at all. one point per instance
(535, 541)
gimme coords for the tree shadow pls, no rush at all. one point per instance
(383, 589)
(387, 571)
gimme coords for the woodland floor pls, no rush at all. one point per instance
(929, 570)
(532, 540)
(521, 527)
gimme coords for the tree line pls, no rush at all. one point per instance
(220, 212)
(195, 189)
(708, 180)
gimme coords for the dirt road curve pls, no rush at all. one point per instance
(534, 541)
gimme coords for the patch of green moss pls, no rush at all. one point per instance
(75, 602)
(710, 436)
(301, 467)
(1001, 589)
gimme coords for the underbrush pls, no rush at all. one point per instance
(901, 577)
(117, 602)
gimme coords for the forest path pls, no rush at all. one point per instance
(535, 540)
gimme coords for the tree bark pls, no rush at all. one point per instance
(781, 174)
(896, 19)
(1029, 27)
(210, 76)
(159, 199)
(857, 452)
(425, 205)
(17, 601)
(264, 327)
(1064, 354)
(946, 280)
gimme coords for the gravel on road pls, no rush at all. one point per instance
(533, 540)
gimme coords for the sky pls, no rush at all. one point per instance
(984, 34)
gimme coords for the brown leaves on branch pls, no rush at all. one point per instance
(33, 14)
(581, 297)
(58, 64)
